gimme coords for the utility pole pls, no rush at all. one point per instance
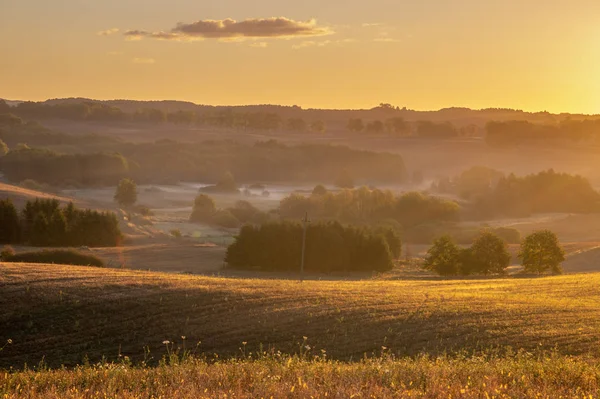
(305, 222)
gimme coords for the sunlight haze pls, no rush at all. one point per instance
(533, 55)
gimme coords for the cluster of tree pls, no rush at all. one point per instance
(169, 161)
(43, 223)
(330, 247)
(55, 256)
(473, 183)
(370, 205)
(432, 130)
(512, 133)
(225, 185)
(540, 252)
(97, 111)
(394, 126)
(46, 166)
(494, 194)
(544, 192)
(205, 211)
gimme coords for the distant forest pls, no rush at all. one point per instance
(500, 127)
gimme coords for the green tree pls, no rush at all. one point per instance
(126, 193)
(296, 124)
(375, 127)
(356, 125)
(318, 127)
(319, 190)
(490, 254)
(443, 257)
(203, 210)
(3, 148)
(541, 252)
(10, 230)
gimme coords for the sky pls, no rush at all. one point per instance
(535, 55)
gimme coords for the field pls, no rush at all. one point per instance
(507, 338)
(63, 315)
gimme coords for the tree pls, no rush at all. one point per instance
(443, 257)
(204, 209)
(318, 127)
(3, 148)
(397, 126)
(296, 124)
(126, 193)
(356, 125)
(540, 252)
(319, 190)
(10, 227)
(490, 255)
(375, 127)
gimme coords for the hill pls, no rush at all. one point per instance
(20, 195)
(65, 314)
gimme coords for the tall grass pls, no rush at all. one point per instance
(523, 375)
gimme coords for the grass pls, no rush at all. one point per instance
(274, 376)
(56, 256)
(66, 314)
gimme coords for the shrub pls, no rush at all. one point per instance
(6, 253)
(62, 257)
(176, 233)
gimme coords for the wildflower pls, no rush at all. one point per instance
(166, 342)
(244, 343)
(183, 337)
(307, 347)
(9, 341)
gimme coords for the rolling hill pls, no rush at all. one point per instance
(65, 314)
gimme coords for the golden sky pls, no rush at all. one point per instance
(423, 54)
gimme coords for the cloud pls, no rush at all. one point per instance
(113, 53)
(143, 61)
(386, 40)
(231, 30)
(108, 32)
(259, 44)
(311, 43)
(371, 25)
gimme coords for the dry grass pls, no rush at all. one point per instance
(65, 313)
(520, 376)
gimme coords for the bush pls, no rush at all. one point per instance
(61, 257)
(329, 247)
(6, 253)
(176, 233)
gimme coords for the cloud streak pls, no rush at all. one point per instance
(143, 61)
(232, 30)
(108, 32)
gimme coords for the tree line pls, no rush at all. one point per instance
(43, 223)
(369, 205)
(540, 252)
(168, 162)
(493, 194)
(511, 133)
(49, 167)
(330, 247)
